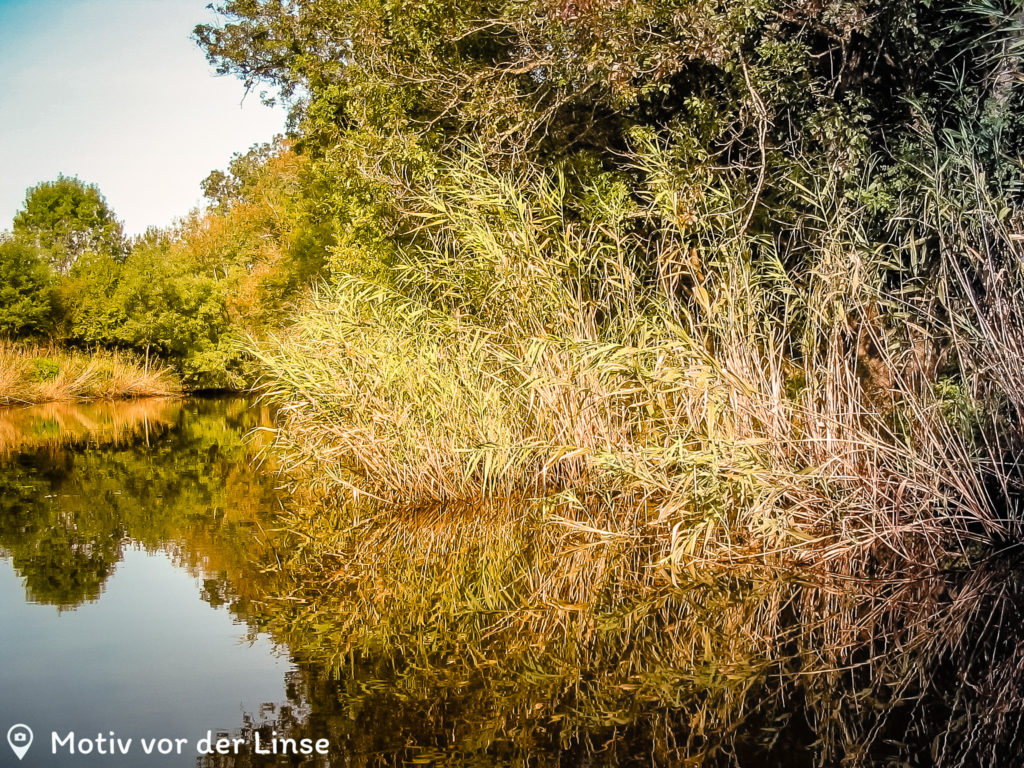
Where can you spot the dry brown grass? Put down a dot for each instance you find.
(31, 375)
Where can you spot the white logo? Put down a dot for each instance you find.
(20, 739)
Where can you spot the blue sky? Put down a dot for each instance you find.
(116, 93)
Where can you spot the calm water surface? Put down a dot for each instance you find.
(124, 532)
(145, 589)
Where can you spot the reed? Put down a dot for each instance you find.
(31, 375)
(741, 396)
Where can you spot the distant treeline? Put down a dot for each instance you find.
(186, 295)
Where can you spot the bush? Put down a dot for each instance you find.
(44, 368)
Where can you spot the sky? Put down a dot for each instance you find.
(116, 93)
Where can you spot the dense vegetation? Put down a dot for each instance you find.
(474, 637)
(746, 275)
(605, 340)
(187, 295)
(44, 374)
(750, 269)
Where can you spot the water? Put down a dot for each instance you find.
(123, 533)
(155, 584)
(149, 659)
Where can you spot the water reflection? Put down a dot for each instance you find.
(52, 426)
(165, 475)
(468, 639)
(142, 525)
(457, 637)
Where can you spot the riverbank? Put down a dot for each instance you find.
(37, 374)
(745, 413)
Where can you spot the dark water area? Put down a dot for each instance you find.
(149, 590)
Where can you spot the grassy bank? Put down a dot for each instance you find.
(48, 374)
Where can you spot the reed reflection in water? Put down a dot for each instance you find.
(506, 637)
(520, 634)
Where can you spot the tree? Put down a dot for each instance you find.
(225, 188)
(88, 294)
(67, 218)
(26, 291)
(177, 312)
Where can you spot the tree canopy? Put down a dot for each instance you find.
(761, 96)
(67, 218)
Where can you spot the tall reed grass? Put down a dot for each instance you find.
(659, 363)
(31, 375)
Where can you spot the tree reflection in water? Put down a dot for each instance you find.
(80, 483)
(493, 637)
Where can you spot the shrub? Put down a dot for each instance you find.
(44, 368)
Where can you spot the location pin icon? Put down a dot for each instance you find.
(20, 739)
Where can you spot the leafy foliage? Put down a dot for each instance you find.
(26, 291)
(67, 218)
(585, 245)
(187, 294)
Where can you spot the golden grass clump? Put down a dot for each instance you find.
(31, 375)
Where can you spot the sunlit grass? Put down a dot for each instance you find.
(48, 374)
(576, 474)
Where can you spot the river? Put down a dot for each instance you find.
(157, 590)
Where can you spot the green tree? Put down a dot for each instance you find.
(168, 308)
(26, 291)
(67, 218)
(768, 95)
(88, 295)
(226, 188)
